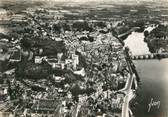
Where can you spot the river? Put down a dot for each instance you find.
(152, 94)
(135, 42)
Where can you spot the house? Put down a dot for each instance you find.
(68, 61)
(80, 72)
(69, 64)
(16, 56)
(58, 78)
(3, 93)
(75, 59)
(38, 59)
(55, 65)
(45, 105)
(59, 56)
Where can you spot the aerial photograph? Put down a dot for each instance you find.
(83, 58)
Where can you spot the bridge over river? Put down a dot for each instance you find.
(150, 56)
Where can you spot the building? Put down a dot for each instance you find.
(75, 59)
(16, 56)
(38, 59)
(45, 105)
(6, 114)
(3, 93)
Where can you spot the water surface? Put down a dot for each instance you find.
(153, 80)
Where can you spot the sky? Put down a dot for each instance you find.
(77, 2)
(92, 0)
(87, 1)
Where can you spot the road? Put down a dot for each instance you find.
(129, 93)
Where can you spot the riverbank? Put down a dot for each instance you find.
(127, 90)
(128, 58)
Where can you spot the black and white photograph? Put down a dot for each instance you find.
(83, 58)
